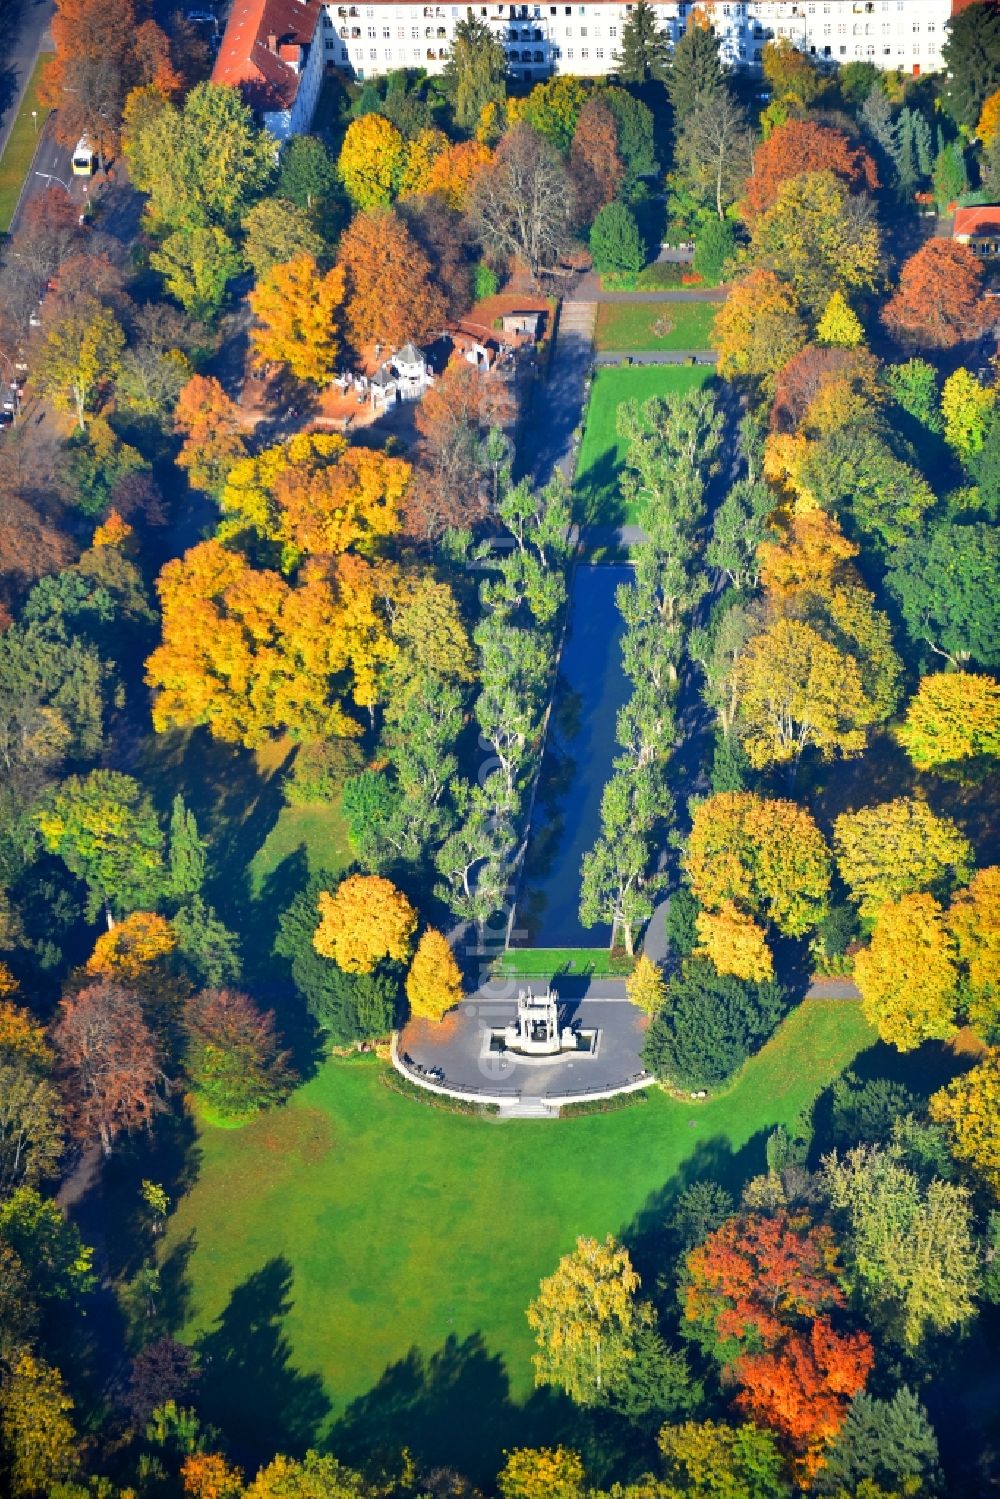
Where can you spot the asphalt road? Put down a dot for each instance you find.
(23, 24)
(52, 166)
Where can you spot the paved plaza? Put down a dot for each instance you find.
(457, 1053)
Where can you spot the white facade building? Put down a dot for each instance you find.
(376, 37)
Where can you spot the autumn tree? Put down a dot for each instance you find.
(706, 1457)
(758, 329)
(105, 830)
(791, 76)
(911, 1246)
(950, 718)
(41, 1444)
(541, 1473)
(454, 481)
(734, 943)
(131, 945)
(372, 160)
(80, 357)
(249, 655)
(595, 167)
(803, 1388)
(939, 301)
(521, 207)
(455, 172)
(585, 1320)
(766, 856)
(897, 848)
(969, 1109)
(390, 293)
(714, 150)
(974, 923)
(30, 1108)
(819, 238)
(213, 441)
(967, 407)
(233, 1056)
(364, 920)
(434, 982)
(907, 976)
(839, 327)
(297, 308)
(800, 146)
(108, 1062)
(645, 986)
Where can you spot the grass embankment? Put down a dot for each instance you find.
(550, 962)
(20, 148)
(671, 326)
(359, 1266)
(598, 500)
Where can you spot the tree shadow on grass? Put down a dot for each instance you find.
(248, 1384)
(268, 975)
(597, 498)
(453, 1408)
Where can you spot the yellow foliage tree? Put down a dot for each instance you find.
(38, 1432)
(22, 1036)
(585, 1319)
(372, 160)
(8, 983)
(989, 119)
(734, 943)
(364, 920)
(316, 1476)
(951, 717)
(645, 986)
(758, 328)
(434, 982)
(840, 327)
(113, 532)
(810, 557)
(966, 405)
(248, 655)
(974, 923)
(297, 309)
(764, 855)
(895, 849)
(132, 945)
(421, 154)
(542, 1473)
(796, 689)
(907, 977)
(351, 500)
(814, 240)
(969, 1109)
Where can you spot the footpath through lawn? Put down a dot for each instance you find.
(358, 1246)
(598, 500)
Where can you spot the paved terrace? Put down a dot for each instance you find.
(456, 1053)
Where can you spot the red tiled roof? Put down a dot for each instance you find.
(982, 219)
(268, 80)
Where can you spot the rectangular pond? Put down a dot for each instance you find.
(578, 762)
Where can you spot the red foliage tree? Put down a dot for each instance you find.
(939, 302)
(803, 146)
(107, 1061)
(753, 1274)
(802, 1389)
(234, 1055)
(449, 485)
(800, 382)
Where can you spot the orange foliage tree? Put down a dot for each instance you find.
(939, 302)
(213, 440)
(803, 146)
(297, 308)
(351, 500)
(454, 173)
(595, 167)
(449, 487)
(132, 944)
(390, 294)
(802, 1390)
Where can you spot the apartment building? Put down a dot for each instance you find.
(278, 48)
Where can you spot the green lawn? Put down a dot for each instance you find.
(358, 1264)
(317, 830)
(634, 326)
(20, 147)
(602, 452)
(546, 962)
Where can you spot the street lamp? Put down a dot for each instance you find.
(34, 119)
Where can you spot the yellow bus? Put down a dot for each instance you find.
(84, 160)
